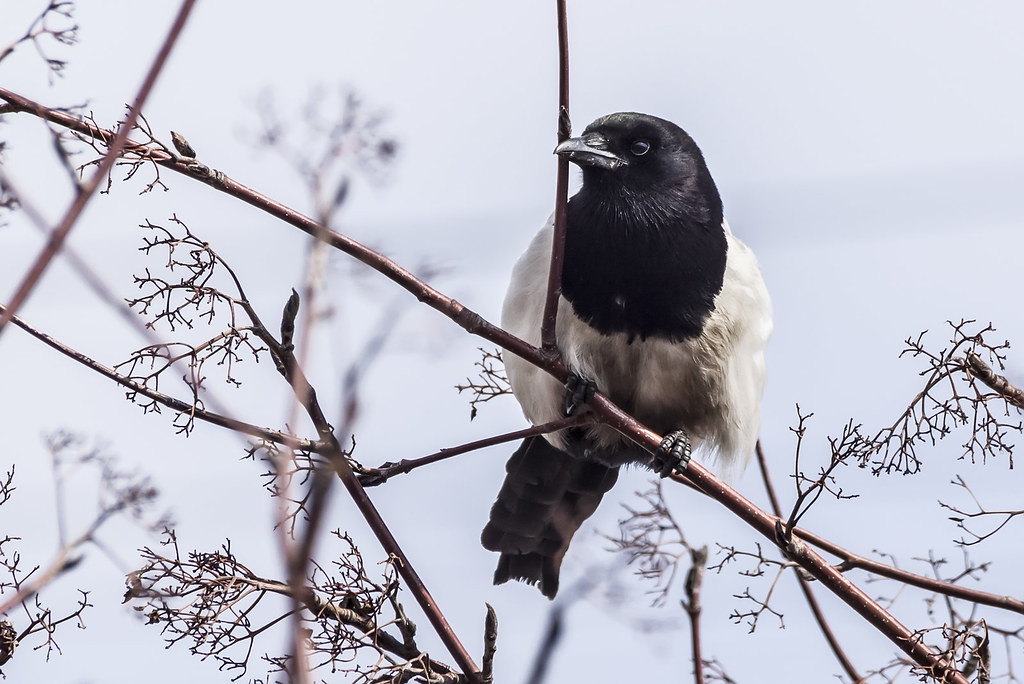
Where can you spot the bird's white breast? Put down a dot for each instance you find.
(710, 385)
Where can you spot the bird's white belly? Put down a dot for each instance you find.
(709, 386)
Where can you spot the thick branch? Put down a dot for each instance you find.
(853, 561)
(604, 409)
(984, 372)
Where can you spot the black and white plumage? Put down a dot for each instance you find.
(662, 308)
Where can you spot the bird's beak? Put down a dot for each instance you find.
(589, 150)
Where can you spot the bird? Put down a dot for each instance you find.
(662, 309)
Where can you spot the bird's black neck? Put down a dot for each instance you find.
(641, 267)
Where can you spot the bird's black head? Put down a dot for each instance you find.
(645, 243)
(647, 159)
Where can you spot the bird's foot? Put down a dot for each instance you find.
(673, 454)
(579, 390)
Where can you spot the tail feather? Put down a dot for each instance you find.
(546, 496)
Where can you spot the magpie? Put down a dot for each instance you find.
(662, 310)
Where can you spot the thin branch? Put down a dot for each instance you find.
(853, 561)
(490, 645)
(170, 402)
(87, 189)
(564, 126)
(371, 477)
(961, 516)
(692, 605)
(306, 395)
(602, 408)
(812, 601)
(467, 319)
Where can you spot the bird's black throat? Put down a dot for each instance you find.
(643, 267)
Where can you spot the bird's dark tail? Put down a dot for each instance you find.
(546, 496)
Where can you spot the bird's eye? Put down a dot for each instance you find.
(639, 147)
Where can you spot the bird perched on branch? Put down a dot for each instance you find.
(662, 310)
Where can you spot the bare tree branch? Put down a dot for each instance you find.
(57, 237)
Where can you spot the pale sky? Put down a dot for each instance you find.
(872, 155)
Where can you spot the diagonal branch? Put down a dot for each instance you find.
(306, 395)
(87, 189)
(854, 561)
(170, 402)
(812, 601)
(602, 408)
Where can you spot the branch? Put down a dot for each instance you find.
(853, 561)
(213, 599)
(602, 408)
(87, 189)
(692, 605)
(306, 395)
(812, 601)
(371, 477)
(554, 291)
(184, 407)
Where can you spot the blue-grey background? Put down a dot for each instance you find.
(871, 154)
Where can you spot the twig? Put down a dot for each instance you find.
(812, 601)
(692, 605)
(87, 189)
(306, 395)
(960, 516)
(490, 645)
(552, 636)
(984, 372)
(602, 408)
(853, 561)
(170, 402)
(547, 330)
(371, 477)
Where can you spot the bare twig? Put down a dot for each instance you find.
(57, 237)
(492, 381)
(371, 477)
(215, 601)
(135, 388)
(490, 645)
(812, 601)
(564, 128)
(853, 561)
(692, 605)
(954, 396)
(960, 516)
(603, 409)
(306, 395)
(41, 28)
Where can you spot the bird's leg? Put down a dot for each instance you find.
(579, 390)
(673, 454)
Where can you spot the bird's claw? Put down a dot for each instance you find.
(673, 454)
(579, 390)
